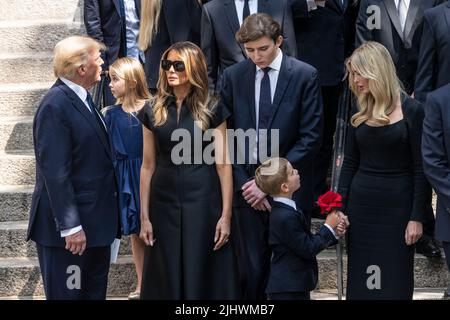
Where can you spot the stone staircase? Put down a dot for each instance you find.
(29, 30)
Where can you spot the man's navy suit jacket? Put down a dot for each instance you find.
(75, 181)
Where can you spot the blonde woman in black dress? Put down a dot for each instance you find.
(382, 181)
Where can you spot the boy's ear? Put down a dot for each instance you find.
(284, 187)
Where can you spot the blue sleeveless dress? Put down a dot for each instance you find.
(126, 136)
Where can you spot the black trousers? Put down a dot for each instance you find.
(330, 97)
(73, 277)
(446, 246)
(253, 251)
(289, 296)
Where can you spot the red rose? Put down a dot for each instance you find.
(329, 201)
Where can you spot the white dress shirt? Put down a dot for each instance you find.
(252, 5)
(132, 30)
(291, 203)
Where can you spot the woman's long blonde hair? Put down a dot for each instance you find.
(198, 100)
(150, 12)
(132, 72)
(373, 62)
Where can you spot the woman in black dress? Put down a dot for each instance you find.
(186, 197)
(381, 181)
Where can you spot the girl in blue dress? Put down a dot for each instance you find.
(129, 87)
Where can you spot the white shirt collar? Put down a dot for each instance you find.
(286, 201)
(276, 63)
(79, 90)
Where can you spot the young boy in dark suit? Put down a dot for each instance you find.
(293, 267)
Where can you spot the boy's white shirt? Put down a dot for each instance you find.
(291, 203)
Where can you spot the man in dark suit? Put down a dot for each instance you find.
(400, 31)
(434, 64)
(436, 161)
(74, 216)
(116, 24)
(325, 38)
(221, 19)
(275, 94)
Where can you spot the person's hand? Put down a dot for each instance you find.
(413, 232)
(342, 225)
(252, 194)
(76, 243)
(263, 205)
(222, 232)
(146, 233)
(332, 219)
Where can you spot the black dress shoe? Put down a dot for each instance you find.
(447, 294)
(428, 247)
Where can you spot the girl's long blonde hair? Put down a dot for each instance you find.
(198, 99)
(373, 62)
(132, 72)
(149, 22)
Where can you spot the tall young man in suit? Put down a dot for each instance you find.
(400, 31)
(74, 216)
(274, 93)
(436, 161)
(325, 37)
(221, 19)
(116, 24)
(434, 64)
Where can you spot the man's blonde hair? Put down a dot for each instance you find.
(271, 174)
(71, 53)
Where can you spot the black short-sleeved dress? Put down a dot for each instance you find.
(185, 206)
(383, 187)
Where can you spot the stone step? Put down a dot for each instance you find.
(27, 36)
(428, 273)
(21, 277)
(26, 67)
(13, 235)
(17, 167)
(42, 9)
(21, 99)
(16, 133)
(15, 202)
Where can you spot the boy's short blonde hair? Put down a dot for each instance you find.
(71, 53)
(271, 174)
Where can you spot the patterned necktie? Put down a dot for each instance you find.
(265, 100)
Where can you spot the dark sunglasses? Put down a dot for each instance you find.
(178, 66)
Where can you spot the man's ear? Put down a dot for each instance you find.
(81, 70)
(279, 41)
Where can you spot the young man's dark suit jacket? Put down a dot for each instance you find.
(219, 26)
(104, 22)
(179, 20)
(75, 181)
(293, 266)
(436, 155)
(297, 113)
(325, 37)
(433, 70)
(404, 49)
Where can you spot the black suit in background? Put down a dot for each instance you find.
(325, 38)
(75, 185)
(436, 162)
(404, 46)
(219, 26)
(179, 20)
(297, 114)
(293, 267)
(104, 22)
(434, 63)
